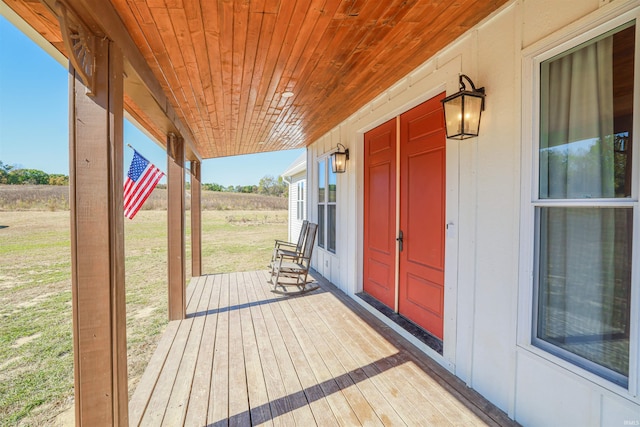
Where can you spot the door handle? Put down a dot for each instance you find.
(400, 239)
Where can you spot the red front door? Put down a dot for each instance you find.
(422, 215)
(380, 213)
(421, 212)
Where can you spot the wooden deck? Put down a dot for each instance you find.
(246, 356)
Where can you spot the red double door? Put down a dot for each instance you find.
(417, 159)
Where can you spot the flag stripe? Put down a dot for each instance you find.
(139, 187)
(143, 190)
(142, 179)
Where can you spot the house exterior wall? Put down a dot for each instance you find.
(486, 286)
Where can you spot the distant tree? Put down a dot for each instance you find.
(271, 186)
(213, 187)
(231, 189)
(5, 167)
(4, 172)
(58, 179)
(27, 176)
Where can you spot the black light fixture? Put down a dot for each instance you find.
(339, 159)
(462, 111)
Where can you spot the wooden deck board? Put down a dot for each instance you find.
(199, 401)
(180, 394)
(291, 329)
(246, 356)
(377, 362)
(357, 364)
(258, 396)
(279, 402)
(290, 361)
(219, 394)
(325, 385)
(238, 393)
(359, 404)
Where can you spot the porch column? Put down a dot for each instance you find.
(196, 219)
(176, 230)
(97, 238)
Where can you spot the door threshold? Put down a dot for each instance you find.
(416, 331)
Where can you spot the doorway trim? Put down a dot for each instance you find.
(444, 79)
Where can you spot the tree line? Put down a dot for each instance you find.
(12, 175)
(268, 186)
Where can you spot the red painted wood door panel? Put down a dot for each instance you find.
(380, 213)
(422, 215)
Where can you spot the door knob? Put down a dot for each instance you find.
(400, 239)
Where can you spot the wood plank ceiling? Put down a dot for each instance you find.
(224, 65)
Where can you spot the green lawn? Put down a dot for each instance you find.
(36, 354)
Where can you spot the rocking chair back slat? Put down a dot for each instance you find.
(309, 241)
(302, 236)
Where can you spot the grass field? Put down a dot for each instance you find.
(36, 354)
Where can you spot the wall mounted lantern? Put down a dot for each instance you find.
(462, 111)
(339, 159)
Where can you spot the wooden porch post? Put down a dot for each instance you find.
(176, 227)
(97, 239)
(196, 219)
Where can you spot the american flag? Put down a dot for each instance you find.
(141, 180)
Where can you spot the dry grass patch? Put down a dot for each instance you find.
(56, 198)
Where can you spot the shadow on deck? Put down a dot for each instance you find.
(245, 356)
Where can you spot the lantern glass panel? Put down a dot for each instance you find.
(471, 119)
(453, 114)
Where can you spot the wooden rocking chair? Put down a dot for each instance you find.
(292, 270)
(288, 248)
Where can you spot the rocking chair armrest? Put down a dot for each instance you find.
(298, 259)
(287, 253)
(284, 243)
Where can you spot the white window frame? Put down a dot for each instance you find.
(301, 211)
(326, 203)
(574, 35)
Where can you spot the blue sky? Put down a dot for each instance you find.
(34, 129)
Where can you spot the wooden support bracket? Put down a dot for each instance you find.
(80, 44)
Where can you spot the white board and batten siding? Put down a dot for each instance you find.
(295, 175)
(487, 322)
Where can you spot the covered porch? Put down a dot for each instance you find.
(246, 356)
(214, 79)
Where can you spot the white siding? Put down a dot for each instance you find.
(484, 180)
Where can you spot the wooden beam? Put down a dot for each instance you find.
(176, 229)
(97, 241)
(196, 219)
(141, 84)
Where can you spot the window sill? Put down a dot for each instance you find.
(567, 368)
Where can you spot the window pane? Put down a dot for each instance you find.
(321, 226)
(586, 119)
(331, 228)
(321, 181)
(584, 283)
(332, 182)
